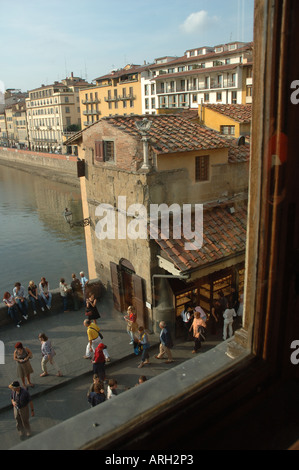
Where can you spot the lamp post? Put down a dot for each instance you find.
(68, 215)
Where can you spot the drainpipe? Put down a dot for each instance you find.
(201, 110)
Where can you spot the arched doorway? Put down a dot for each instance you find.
(128, 289)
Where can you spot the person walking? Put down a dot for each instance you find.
(131, 319)
(48, 354)
(45, 293)
(94, 337)
(186, 317)
(34, 297)
(13, 311)
(22, 356)
(111, 389)
(165, 343)
(21, 400)
(97, 396)
(98, 362)
(144, 344)
(196, 327)
(214, 317)
(228, 316)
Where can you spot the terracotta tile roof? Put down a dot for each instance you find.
(204, 71)
(238, 153)
(238, 112)
(208, 55)
(124, 71)
(171, 133)
(224, 236)
(188, 113)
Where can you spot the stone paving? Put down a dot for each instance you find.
(69, 339)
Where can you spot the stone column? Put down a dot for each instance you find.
(164, 307)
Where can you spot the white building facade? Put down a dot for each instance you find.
(222, 74)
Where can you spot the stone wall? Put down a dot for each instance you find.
(62, 167)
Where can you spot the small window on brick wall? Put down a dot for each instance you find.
(104, 151)
(202, 168)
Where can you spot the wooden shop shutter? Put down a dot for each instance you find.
(138, 300)
(80, 168)
(116, 286)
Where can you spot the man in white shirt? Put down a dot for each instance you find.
(228, 315)
(84, 282)
(186, 317)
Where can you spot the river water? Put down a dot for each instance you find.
(35, 240)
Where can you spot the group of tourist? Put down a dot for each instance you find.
(139, 338)
(41, 297)
(225, 311)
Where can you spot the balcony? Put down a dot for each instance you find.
(112, 98)
(231, 83)
(249, 81)
(216, 85)
(192, 88)
(91, 112)
(47, 141)
(91, 101)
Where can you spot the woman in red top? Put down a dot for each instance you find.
(99, 362)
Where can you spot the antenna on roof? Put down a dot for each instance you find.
(65, 67)
(85, 69)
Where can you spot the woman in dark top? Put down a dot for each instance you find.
(91, 310)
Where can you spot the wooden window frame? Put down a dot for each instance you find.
(103, 151)
(229, 130)
(202, 168)
(270, 321)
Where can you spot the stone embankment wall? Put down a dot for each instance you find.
(62, 168)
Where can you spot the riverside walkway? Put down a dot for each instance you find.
(68, 335)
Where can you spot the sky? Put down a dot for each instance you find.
(42, 42)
